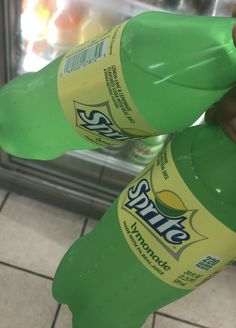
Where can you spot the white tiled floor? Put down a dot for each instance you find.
(25, 300)
(41, 234)
(33, 238)
(211, 305)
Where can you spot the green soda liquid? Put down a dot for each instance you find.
(102, 280)
(174, 67)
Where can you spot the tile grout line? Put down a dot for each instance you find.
(154, 320)
(84, 227)
(4, 201)
(25, 270)
(56, 316)
(181, 320)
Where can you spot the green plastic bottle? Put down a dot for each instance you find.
(169, 231)
(154, 74)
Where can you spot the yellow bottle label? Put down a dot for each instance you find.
(94, 95)
(169, 230)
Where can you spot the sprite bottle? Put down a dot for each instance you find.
(169, 231)
(154, 74)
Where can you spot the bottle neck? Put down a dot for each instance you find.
(206, 159)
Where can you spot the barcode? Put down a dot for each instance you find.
(85, 57)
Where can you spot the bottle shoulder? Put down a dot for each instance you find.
(206, 160)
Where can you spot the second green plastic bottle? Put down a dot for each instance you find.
(172, 228)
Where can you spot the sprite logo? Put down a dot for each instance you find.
(93, 119)
(166, 221)
(156, 212)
